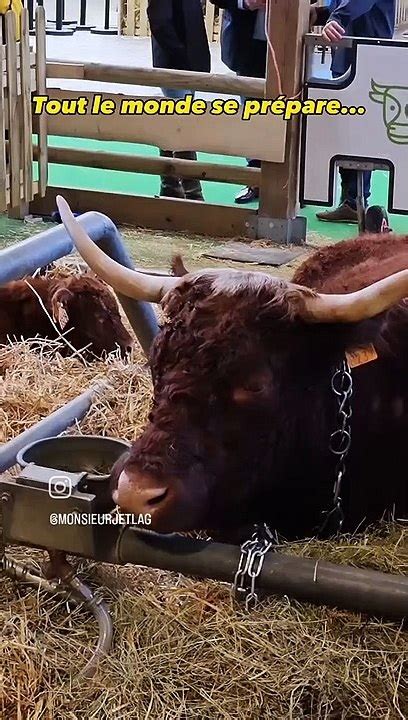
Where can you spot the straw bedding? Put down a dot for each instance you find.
(182, 649)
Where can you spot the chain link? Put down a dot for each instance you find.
(340, 441)
(4, 562)
(250, 565)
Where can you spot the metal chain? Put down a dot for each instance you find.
(3, 557)
(250, 565)
(340, 440)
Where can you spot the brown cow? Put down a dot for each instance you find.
(244, 408)
(82, 307)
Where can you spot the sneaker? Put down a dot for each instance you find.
(342, 214)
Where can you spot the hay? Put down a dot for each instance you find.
(182, 649)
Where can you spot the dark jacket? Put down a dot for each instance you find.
(359, 18)
(179, 38)
(239, 51)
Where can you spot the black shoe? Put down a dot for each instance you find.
(172, 188)
(192, 189)
(247, 195)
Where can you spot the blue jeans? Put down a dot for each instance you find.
(349, 186)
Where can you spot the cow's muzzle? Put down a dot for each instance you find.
(140, 496)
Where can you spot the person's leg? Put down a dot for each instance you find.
(189, 188)
(347, 210)
(248, 194)
(170, 185)
(349, 186)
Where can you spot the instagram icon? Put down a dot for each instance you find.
(60, 486)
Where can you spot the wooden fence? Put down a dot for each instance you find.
(22, 72)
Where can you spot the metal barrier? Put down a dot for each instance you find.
(60, 25)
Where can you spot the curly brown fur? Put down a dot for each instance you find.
(91, 310)
(353, 264)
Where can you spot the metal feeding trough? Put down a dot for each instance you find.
(60, 475)
(90, 454)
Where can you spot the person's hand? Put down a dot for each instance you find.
(333, 32)
(255, 4)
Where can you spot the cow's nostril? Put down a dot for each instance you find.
(154, 501)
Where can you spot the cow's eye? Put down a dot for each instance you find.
(254, 387)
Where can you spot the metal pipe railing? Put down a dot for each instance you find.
(52, 425)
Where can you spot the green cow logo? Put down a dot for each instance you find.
(394, 100)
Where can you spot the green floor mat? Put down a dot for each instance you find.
(215, 192)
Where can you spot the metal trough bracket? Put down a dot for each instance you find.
(281, 232)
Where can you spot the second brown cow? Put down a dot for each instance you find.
(81, 307)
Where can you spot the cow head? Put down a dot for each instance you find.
(86, 307)
(394, 100)
(238, 371)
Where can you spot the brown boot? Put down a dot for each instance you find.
(192, 187)
(342, 214)
(170, 185)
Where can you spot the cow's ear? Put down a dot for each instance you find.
(59, 307)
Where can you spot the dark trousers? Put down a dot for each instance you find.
(349, 186)
(250, 161)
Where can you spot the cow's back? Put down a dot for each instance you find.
(353, 264)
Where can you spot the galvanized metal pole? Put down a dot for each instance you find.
(316, 581)
(52, 425)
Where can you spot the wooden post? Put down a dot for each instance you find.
(13, 110)
(143, 19)
(288, 23)
(41, 90)
(3, 160)
(130, 25)
(27, 122)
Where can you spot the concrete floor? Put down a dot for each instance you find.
(113, 50)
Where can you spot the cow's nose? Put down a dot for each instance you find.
(139, 498)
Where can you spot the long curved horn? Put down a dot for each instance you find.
(122, 279)
(360, 305)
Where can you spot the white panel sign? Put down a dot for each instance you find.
(379, 82)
